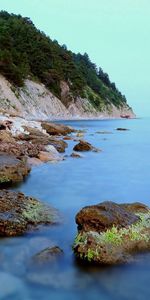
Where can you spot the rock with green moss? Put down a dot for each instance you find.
(19, 213)
(110, 233)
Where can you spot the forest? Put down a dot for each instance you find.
(26, 52)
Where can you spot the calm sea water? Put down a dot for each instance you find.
(121, 173)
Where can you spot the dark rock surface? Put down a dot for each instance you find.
(83, 146)
(19, 213)
(102, 216)
(122, 129)
(110, 233)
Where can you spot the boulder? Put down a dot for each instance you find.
(60, 145)
(51, 155)
(34, 135)
(84, 146)
(103, 216)
(56, 129)
(110, 233)
(21, 149)
(12, 169)
(75, 155)
(19, 213)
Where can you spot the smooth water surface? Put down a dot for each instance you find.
(121, 173)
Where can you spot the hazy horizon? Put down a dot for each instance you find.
(115, 35)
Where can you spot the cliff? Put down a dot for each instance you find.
(35, 101)
(42, 79)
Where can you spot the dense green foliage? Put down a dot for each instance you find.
(27, 52)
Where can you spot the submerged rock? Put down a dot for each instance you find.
(67, 138)
(104, 132)
(12, 169)
(19, 213)
(84, 146)
(48, 255)
(121, 129)
(109, 233)
(56, 129)
(75, 155)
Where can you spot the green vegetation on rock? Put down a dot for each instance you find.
(26, 52)
(114, 244)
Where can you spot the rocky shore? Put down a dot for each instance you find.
(24, 144)
(108, 233)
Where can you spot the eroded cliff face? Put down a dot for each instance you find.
(34, 100)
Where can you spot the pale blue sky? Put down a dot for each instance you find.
(115, 34)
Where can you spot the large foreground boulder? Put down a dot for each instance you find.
(19, 213)
(56, 129)
(109, 233)
(12, 169)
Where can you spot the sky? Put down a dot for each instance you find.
(115, 34)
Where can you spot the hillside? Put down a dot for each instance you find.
(40, 78)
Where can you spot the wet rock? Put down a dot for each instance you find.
(49, 156)
(60, 145)
(56, 129)
(80, 134)
(102, 216)
(110, 233)
(12, 169)
(48, 255)
(67, 138)
(121, 129)
(75, 155)
(19, 213)
(83, 146)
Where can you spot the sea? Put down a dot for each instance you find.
(120, 173)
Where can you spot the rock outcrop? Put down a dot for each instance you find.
(56, 129)
(110, 233)
(19, 213)
(34, 100)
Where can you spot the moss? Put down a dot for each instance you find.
(4, 179)
(36, 212)
(105, 246)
